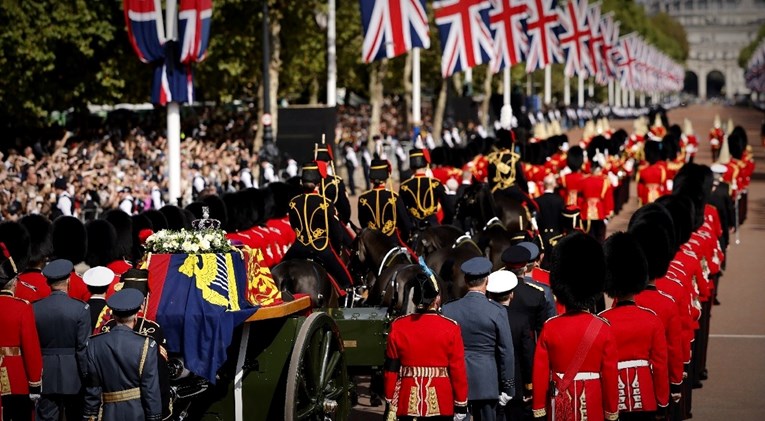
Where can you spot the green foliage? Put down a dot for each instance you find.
(746, 53)
(660, 30)
(60, 54)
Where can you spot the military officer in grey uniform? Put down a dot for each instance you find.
(488, 345)
(63, 326)
(123, 383)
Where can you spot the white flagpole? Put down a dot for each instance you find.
(617, 95)
(566, 90)
(416, 107)
(331, 55)
(611, 93)
(529, 89)
(580, 93)
(548, 85)
(506, 114)
(591, 87)
(642, 98)
(625, 97)
(469, 80)
(173, 118)
(632, 98)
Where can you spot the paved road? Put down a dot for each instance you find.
(736, 360)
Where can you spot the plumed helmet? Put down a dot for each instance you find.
(70, 239)
(40, 235)
(379, 170)
(17, 241)
(101, 239)
(626, 265)
(577, 274)
(311, 173)
(123, 225)
(418, 158)
(424, 291)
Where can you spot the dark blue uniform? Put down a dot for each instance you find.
(123, 378)
(489, 351)
(63, 325)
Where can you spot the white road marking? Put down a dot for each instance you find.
(720, 335)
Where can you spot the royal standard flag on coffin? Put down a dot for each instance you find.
(202, 298)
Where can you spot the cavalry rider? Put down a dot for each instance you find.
(319, 233)
(380, 208)
(332, 186)
(505, 168)
(421, 193)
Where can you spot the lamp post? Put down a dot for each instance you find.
(268, 135)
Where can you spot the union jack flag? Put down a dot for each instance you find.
(173, 80)
(596, 65)
(542, 27)
(145, 28)
(575, 36)
(463, 26)
(507, 18)
(194, 26)
(627, 61)
(610, 30)
(393, 27)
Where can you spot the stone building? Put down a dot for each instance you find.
(717, 31)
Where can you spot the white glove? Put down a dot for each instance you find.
(459, 417)
(34, 397)
(504, 398)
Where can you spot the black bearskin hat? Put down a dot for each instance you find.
(682, 210)
(504, 139)
(575, 158)
(217, 208)
(578, 270)
(70, 239)
(176, 218)
(282, 194)
(123, 225)
(40, 231)
(140, 223)
(236, 210)
(101, 240)
(654, 230)
(626, 265)
(17, 241)
(695, 182)
(737, 142)
(252, 201)
(196, 209)
(652, 151)
(157, 218)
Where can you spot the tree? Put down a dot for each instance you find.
(746, 53)
(59, 55)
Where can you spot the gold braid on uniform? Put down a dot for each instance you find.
(311, 235)
(505, 174)
(424, 208)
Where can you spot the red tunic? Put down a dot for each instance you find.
(652, 183)
(598, 197)
(716, 136)
(32, 286)
(77, 288)
(677, 291)
(21, 366)
(571, 186)
(665, 308)
(595, 390)
(432, 377)
(642, 348)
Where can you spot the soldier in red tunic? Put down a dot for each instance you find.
(652, 179)
(20, 355)
(571, 183)
(639, 332)
(598, 202)
(35, 287)
(575, 364)
(425, 374)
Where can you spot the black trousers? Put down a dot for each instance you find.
(56, 407)
(18, 408)
(636, 416)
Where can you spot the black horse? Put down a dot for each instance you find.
(306, 277)
(446, 263)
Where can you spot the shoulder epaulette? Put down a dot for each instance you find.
(449, 319)
(535, 286)
(16, 298)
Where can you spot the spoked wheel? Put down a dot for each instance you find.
(317, 380)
